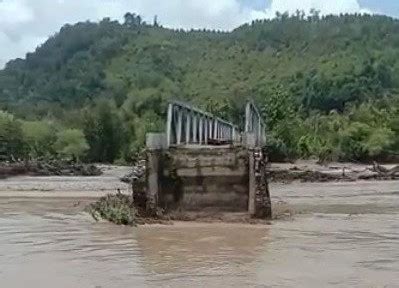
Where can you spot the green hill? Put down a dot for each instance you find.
(328, 87)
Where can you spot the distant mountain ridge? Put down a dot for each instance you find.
(88, 60)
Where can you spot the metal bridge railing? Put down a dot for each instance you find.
(255, 124)
(187, 125)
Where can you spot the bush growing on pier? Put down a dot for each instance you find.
(117, 208)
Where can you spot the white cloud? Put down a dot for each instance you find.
(25, 23)
(325, 7)
(14, 12)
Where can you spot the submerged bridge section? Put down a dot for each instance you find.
(204, 163)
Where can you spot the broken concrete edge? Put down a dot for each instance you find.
(252, 183)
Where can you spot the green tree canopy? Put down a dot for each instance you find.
(328, 87)
(71, 143)
(39, 137)
(11, 141)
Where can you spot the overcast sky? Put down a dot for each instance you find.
(24, 24)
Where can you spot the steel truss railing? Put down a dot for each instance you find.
(187, 125)
(254, 124)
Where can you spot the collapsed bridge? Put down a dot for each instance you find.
(205, 163)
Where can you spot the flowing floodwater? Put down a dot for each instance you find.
(341, 235)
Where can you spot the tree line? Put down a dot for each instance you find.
(328, 87)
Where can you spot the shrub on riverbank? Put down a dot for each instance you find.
(117, 208)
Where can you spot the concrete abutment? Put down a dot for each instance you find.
(223, 178)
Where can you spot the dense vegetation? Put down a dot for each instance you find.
(327, 87)
(116, 208)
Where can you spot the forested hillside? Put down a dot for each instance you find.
(327, 87)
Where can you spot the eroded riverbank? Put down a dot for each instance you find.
(60, 187)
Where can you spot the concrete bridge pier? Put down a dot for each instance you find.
(225, 178)
(259, 202)
(156, 144)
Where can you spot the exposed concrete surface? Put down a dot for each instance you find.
(211, 179)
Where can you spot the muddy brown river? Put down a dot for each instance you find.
(340, 235)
